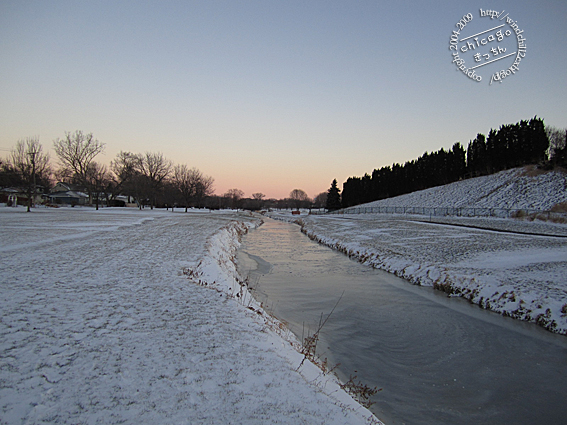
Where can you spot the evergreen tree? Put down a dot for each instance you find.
(351, 192)
(538, 139)
(333, 197)
(457, 163)
(512, 145)
(477, 156)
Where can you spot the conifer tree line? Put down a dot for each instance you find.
(512, 145)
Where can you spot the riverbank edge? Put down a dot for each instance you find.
(472, 289)
(217, 270)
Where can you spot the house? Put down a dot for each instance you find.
(13, 196)
(65, 193)
(9, 196)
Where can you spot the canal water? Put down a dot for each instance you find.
(438, 360)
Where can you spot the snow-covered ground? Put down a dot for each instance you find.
(515, 267)
(127, 316)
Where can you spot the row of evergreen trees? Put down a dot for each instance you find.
(511, 146)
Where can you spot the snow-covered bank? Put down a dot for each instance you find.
(518, 188)
(100, 324)
(517, 275)
(514, 267)
(218, 270)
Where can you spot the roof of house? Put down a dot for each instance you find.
(68, 194)
(66, 187)
(11, 190)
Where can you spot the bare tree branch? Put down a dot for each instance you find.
(29, 161)
(155, 168)
(76, 152)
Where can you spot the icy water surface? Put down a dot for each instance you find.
(438, 360)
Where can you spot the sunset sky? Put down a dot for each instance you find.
(269, 96)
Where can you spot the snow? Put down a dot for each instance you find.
(514, 267)
(127, 316)
(518, 188)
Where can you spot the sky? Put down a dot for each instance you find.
(270, 96)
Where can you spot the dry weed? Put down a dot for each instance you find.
(559, 208)
(361, 392)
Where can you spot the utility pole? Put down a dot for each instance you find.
(33, 190)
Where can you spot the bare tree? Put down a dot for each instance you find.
(234, 196)
(140, 189)
(99, 180)
(30, 163)
(320, 200)
(8, 175)
(155, 168)
(76, 153)
(191, 184)
(557, 141)
(204, 189)
(169, 195)
(125, 171)
(299, 198)
(258, 197)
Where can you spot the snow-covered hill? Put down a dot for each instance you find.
(518, 188)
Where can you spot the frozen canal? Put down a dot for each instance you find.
(437, 359)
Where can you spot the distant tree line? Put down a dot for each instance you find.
(150, 179)
(145, 179)
(513, 145)
(297, 199)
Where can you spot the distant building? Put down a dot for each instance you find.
(65, 193)
(13, 196)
